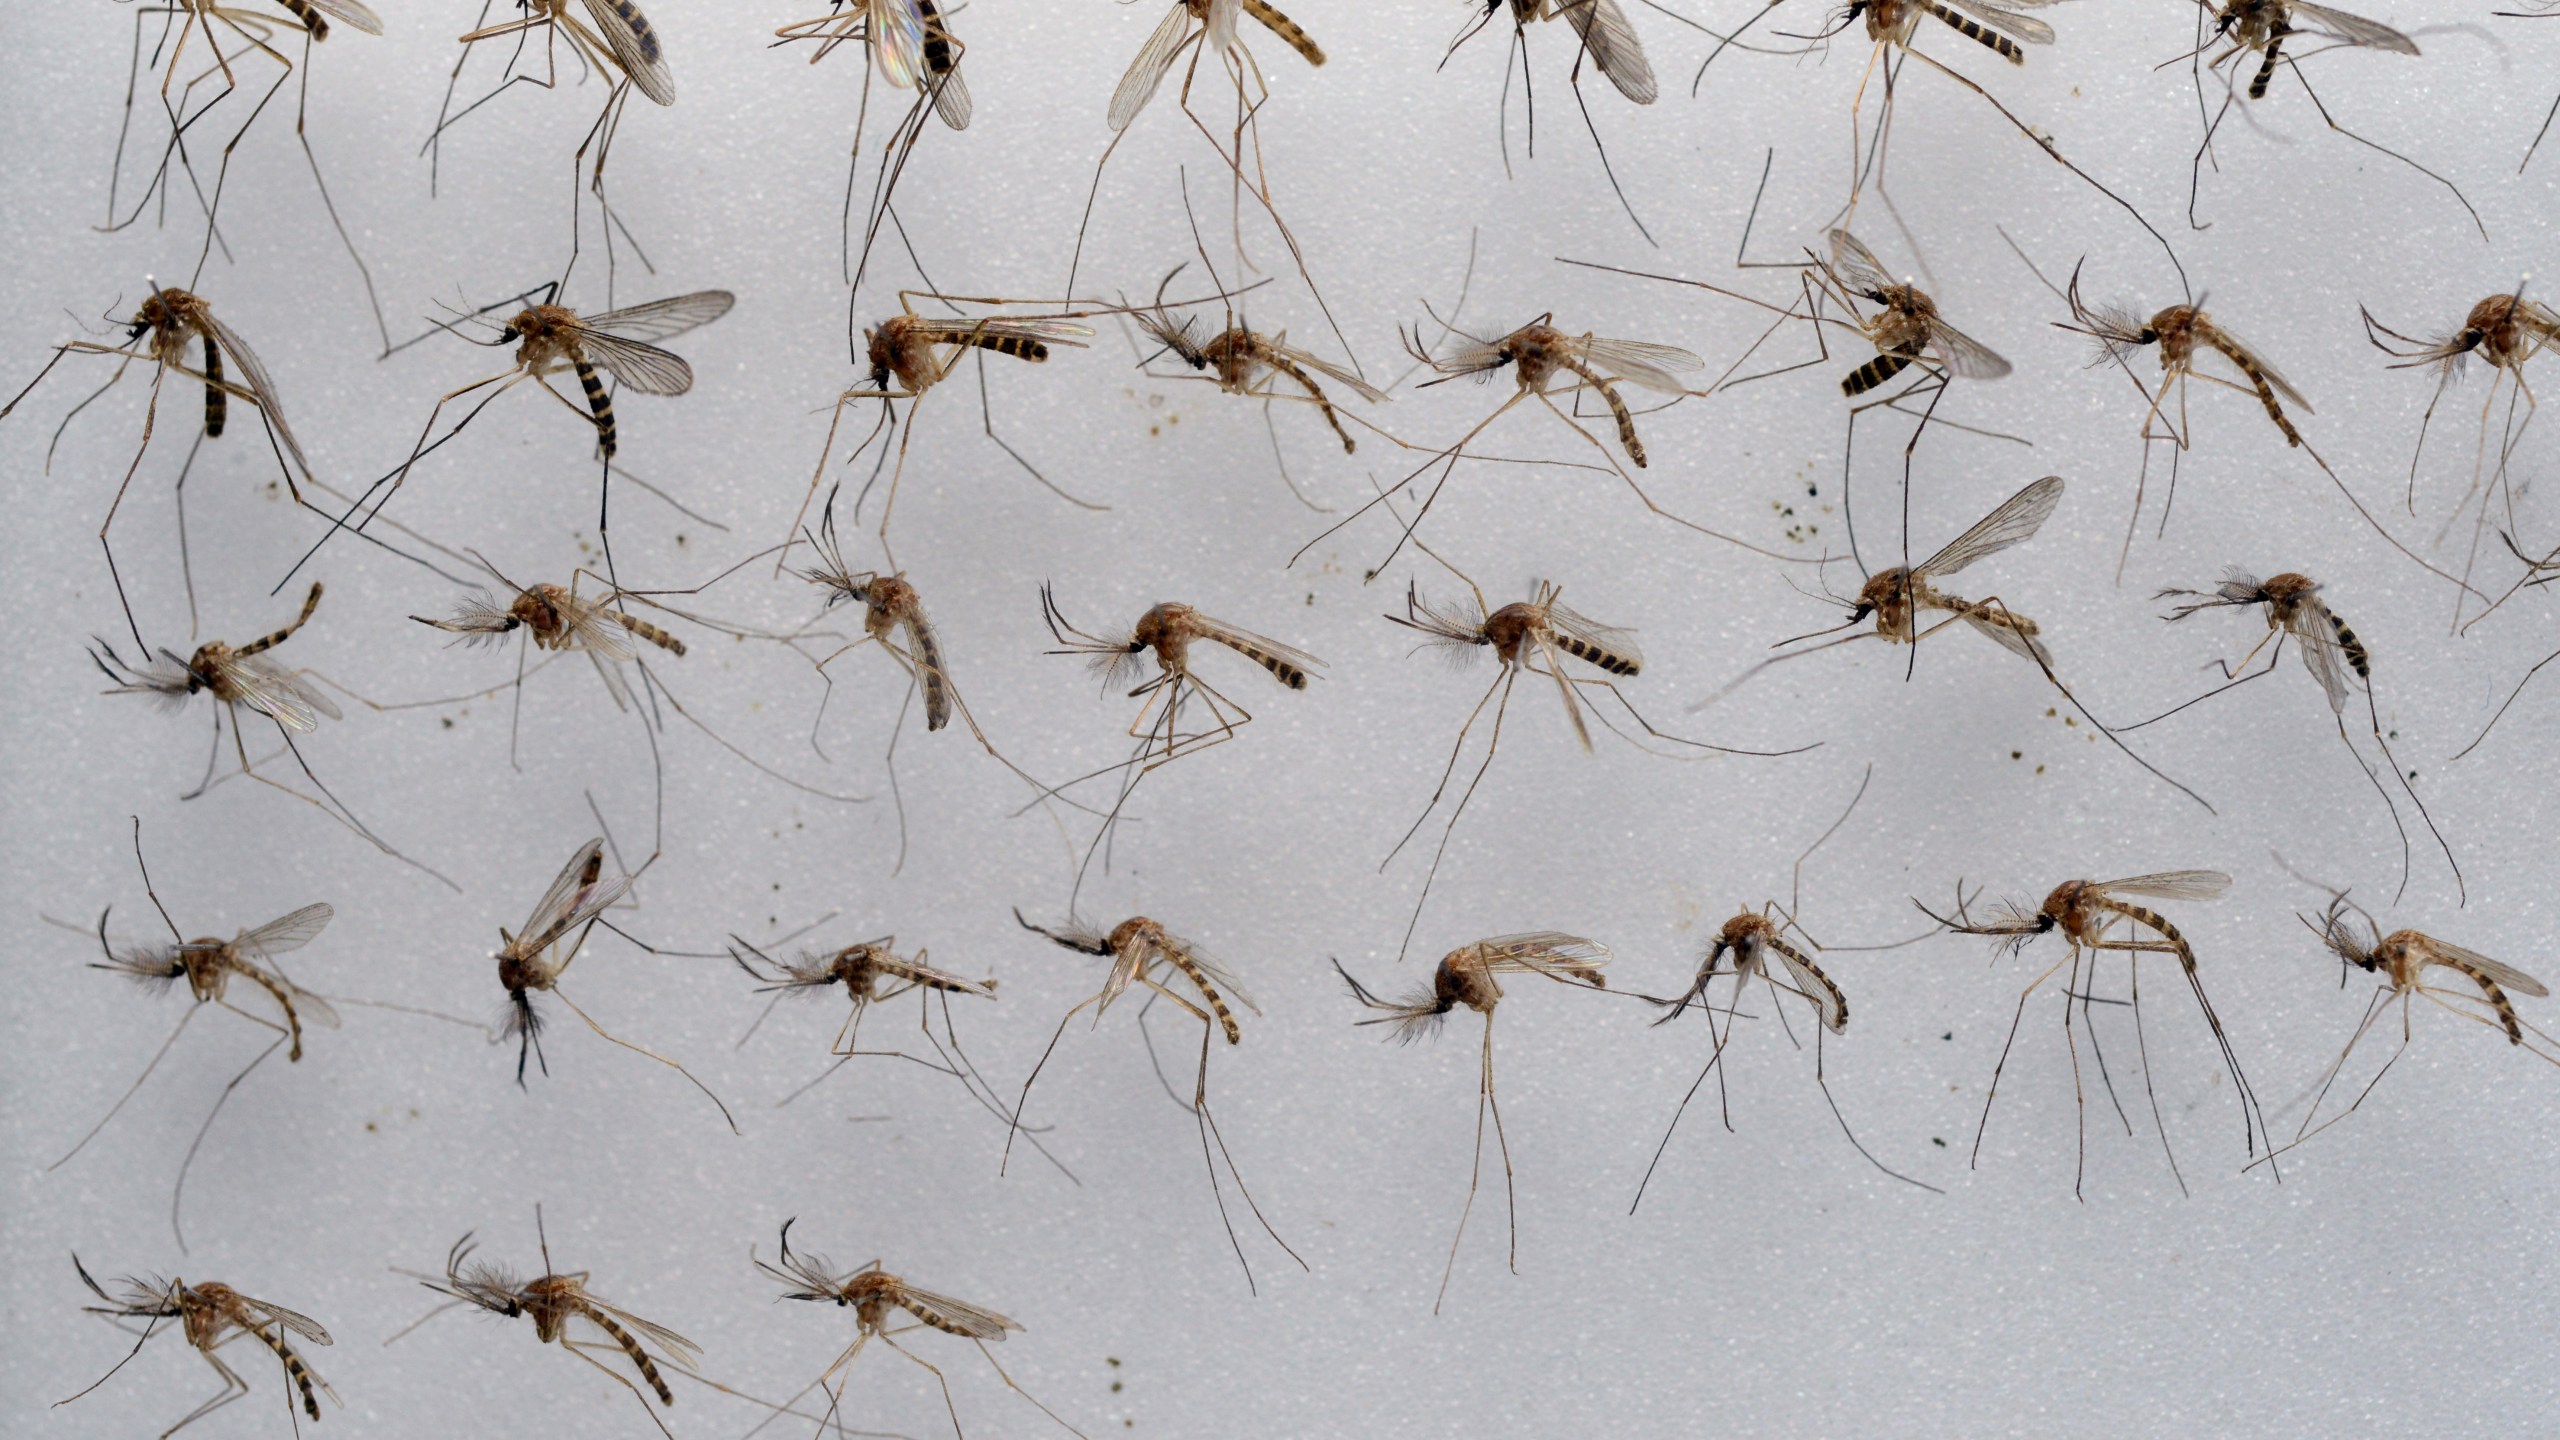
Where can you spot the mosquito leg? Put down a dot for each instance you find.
(579, 1348)
(156, 1057)
(1475, 1172)
(1503, 683)
(1014, 1124)
(1860, 1145)
(1714, 1058)
(652, 1054)
(1974, 1161)
(952, 1409)
(178, 1192)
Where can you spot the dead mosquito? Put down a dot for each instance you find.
(1242, 361)
(2100, 917)
(2333, 653)
(1753, 939)
(1602, 35)
(209, 964)
(533, 959)
(1145, 954)
(211, 1315)
(874, 1296)
(1470, 976)
(2264, 28)
(2401, 961)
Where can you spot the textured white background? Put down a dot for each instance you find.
(2399, 1280)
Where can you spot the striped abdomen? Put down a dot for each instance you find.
(1999, 44)
(2359, 659)
(1282, 669)
(1875, 372)
(1617, 411)
(1020, 347)
(1287, 29)
(2267, 67)
(935, 681)
(284, 1002)
(2159, 922)
(273, 639)
(2248, 365)
(1833, 1001)
(293, 1365)
(640, 1360)
(1581, 649)
(1290, 368)
(597, 401)
(2498, 1001)
(217, 402)
(1209, 992)
(319, 27)
(648, 632)
(938, 58)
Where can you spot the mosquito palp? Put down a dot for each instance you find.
(1470, 976)
(211, 1315)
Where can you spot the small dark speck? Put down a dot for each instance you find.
(2017, 754)
(1115, 1387)
(1311, 597)
(777, 885)
(1934, 1140)
(1950, 1035)
(372, 1129)
(448, 722)
(1111, 1360)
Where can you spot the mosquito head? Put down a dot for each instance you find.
(882, 351)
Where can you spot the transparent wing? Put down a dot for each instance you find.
(555, 901)
(597, 631)
(1146, 72)
(1219, 36)
(1564, 689)
(644, 368)
(1817, 986)
(287, 934)
(1225, 979)
(951, 99)
(2282, 386)
(1547, 952)
(302, 1325)
(253, 374)
(313, 1009)
(960, 1315)
(1240, 639)
(896, 31)
(927, 975)
(371, 24)
(1330, 371)
(2171, 885)
(671, 1346)
(2009, 637)
(2317, 630)
(1621, 643)
(1999, 17)
(1613, 46)
(2354, 29)
(1965, 355)
(634, 42)
(1124, 969)
(277, 694)
(1856, 264)
(609, 669)
(662, 319)
(1056, 332)
(2018, 517)
(2505, 974)
(1638, 363)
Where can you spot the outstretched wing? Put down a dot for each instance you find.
(1857, 265)
(634, 42)
(1551, 953)
(896, 31)
(1613, 46)
(1965, 355)
(286, 934)
(2353, 29)
(1637, 362)
(663, 319)
(253, 374)
(1219, 975)
(2018, 517)
(2506, 975)
(302, 1325)
(278, 694)
(1145, 73)
(946, 1313)
(2317, 629)
(1999, 17)
(2171, 885)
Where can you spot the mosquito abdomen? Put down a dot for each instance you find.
(937, 41)
(1999, 44)
(1875, 372)
(597, 401)
(217, 404)
(2274, 57)
(293, 1365)
(929, 673)
(2159, 922)
(314, 22)
(1282, 670)
(1290, 368)
(1617, 411)
(1287, 29)
(2358, 658)
(2248, 365)
(1020, 347)
(1611, 661)
(639, 1358)
(650, 633)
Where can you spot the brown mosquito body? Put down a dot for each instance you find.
(2099, 918)
(557, 618)
(2263, 27)
(558, 1304)
(1146, 955)
(2506, 331)
(1991, 24)
(1893, 27)
(877, 1299)
(1905, 325)
(2182, 333)
(211, 1315)
(1470, 977)
(1209, 27)
(1242, 361)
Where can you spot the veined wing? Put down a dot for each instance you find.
(1995, 626)
(2171, 885)
(662, 319)
(1857, 265)
(1125, 965)
(2506, 975)
(1246, 643)
(597, 631)
(2000, 16)
(970, 1320)
(671, 1346)
(2282, 386)
(1965, 355)
(634, 42)
(365, 20)
(1817, 987)
(1145, 73)
(940, 979)
(1219, 34)
(1564, 688)
(2353, 29)
(1330, 371)
(1638, 363)
(580, 872)
(1613, 45)
(1219, 975)
(896, 31)
(1608, 638)
(302, 1325)
(644, 368)
(2317, 630)
(261, 385)
(951, 97)
(1547, 952)
(2018, 517)
(277, 694)
(1055, 332)
(286, 934)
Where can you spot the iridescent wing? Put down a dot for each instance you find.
(2506, 975)
(1999, 17)
(287, 934)
(277, 694)
(1551, 953)
(2353, 29)
(253, 375)
(1965, 355)
(634, 42)
(950, 1314)
(1654, 367)
(1613, 45)
(2018, 517)
(2171, 885)
(896, 31)
(1145, 73)
(2317, 630)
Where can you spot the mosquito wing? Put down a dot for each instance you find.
(663, 319)
(302, 1325)
(939, 979)
(2237, 347)
(2171, 885)
(951, 97)
(618, 339)
(2018, 517)
(1225, 979)
(1055, 332)
(277, 694)
(1613, 45)
(2001, 16)
(896, 31)
(285, 935)
(1255, 647)
(634, 42)
(1655, 367)
(2317, 629)
(1330, 371)
(1817, 987)
(597, 631)
(1219, 33)
(1620, 644)
(365, 20)
(1564, 688)
(1547, 952)
(1857, 265)
(2353, 29)
(2506, 975)
(1965, 355)
(581, 871)
(671, 1346)
(260, 385)
(949, 1314)
(2005, 630)
(1146, 72)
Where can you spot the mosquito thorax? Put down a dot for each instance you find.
(2284, 594)
(519, 973)
(2173, 330)
(858, 967)
(886, 598)
(1539, 350)
(2069, 910)
(1165, 629)
(204, 669)
(2491, 328)
(537, 608)
(1462, 979)
(1129, 931)
(1508, 628)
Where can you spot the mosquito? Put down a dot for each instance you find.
(1527, 637)
(553, 338)
(1168, 629)
(2264, 27)
(2504, 330)
(874, 1295)
(211, 1315)
(2401, 961)
(909, 354)
(2332, 652)
(1754, 939)
(870, 972)
(554, 1301)
(2099, 917)
(1145, 954)
(167, 322)
(1242, 361)
(1540, 354)
(1893, 25)
(209, 964)
(1603, 35)
(533, 959)
(1470, 976)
